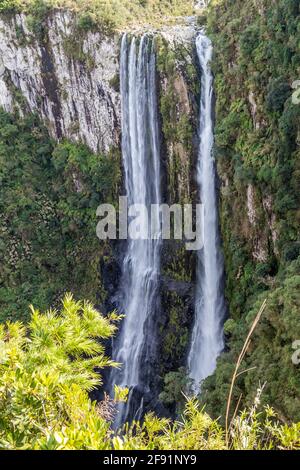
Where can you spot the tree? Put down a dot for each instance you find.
(46, 372)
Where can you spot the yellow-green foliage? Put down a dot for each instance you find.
(47, 369)
(114, 14)
(256, 61)
(195, 430)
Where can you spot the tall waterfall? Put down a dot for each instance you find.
(207, 336)
(135, 347)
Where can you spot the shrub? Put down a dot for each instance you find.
(47, 368)
(277, 93)
(86, 22)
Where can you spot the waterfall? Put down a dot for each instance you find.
(138, 297)
(207, 337)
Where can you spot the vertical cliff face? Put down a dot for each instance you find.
(68, 77)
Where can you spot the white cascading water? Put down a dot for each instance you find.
(141, 265)
(207, 337)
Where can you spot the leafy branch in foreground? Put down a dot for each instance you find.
(47, 369)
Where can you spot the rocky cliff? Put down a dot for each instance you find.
(69, 78)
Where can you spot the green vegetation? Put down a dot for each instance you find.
(111, 15)
(269, 358)
(74, 50)
(256, 61)
(175, 333)
(47, 370)
(48, 198)
(179, 75)
(177, 387)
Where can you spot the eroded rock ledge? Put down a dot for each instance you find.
(69, 77)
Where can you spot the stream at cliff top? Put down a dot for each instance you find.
(138, 297)
(207, 337)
